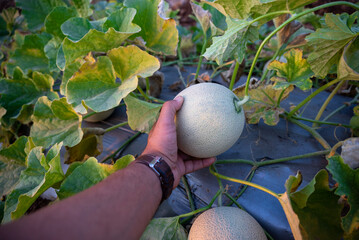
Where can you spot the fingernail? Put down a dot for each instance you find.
(178, 99)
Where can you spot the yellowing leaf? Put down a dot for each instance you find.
(295, 71)
(159, 35)
(55, 122)
(263, 103)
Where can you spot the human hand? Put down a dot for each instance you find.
(162, 141)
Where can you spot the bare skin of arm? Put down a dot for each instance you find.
(121, 206)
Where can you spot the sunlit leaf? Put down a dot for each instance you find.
(117, 28)
(263, 103)
(238, 9)
(348, 185)
(295, 71)
(56, 18)
(131, 61)
(90, 146)
(329, 42)
(40, 174)
(55, 122)
(83, 7)
(318, 209)
(160, 36)
(233, 43)
(95, 85)
(23, 90)
(141, 115)
(31, 55)
(348, 68)
(262, 7)
(35, 11)
(88, 174)
(68, 73)
(164, 228)
(12, 162)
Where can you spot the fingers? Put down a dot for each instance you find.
(196, 164)
(170, 108)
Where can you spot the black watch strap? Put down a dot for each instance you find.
(162, 170)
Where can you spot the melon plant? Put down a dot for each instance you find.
(210, 120)
(226, 223)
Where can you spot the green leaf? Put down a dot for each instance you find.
(88, 174)
(118, 27)
(160, 36)
(22, 90)
(165, 229)
(69, 71)
(263, 103)
(264, 6)
(83, 7)
(238, 9)
(41, 174)
(295, 71)
(95, 82)
(329, 42)
(51, 49)
(318, 209)
(12, 162)
(348, 185)
(95, 86)
(31, 55)
(35, 11)
(56, 18)
(90, 146)
(141, 115)
(233, 43)
(348, 68)
(131, 61)
(55, 122)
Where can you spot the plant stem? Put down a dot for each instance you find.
(307, 155)
(234, 75)
(321, 122)
(220, 186)
(354, 100)
(311, 96)
(128, 141)
(334, 148)
(188, 191)
(219, 67)
(283, 25)
(89, 115)
(233, 200)
(201, 57)
(250, 177)
(143, 93)
(190, 214)
(314, 133)
(151, 98)
(225, 161)
(244, 182)
(327, 101)
(147, 86)
(179, 52)
(116, 126)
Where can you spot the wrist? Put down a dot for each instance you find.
(162, 170)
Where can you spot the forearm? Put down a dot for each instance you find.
(121, 206)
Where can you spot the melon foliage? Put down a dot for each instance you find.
(226, 223)
(210, 120)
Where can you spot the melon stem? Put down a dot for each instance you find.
(238, 103)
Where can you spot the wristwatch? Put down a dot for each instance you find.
(162, 170)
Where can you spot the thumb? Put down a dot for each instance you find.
(170, 108)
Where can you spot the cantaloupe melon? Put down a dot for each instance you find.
(210, 120)
(226, 223)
